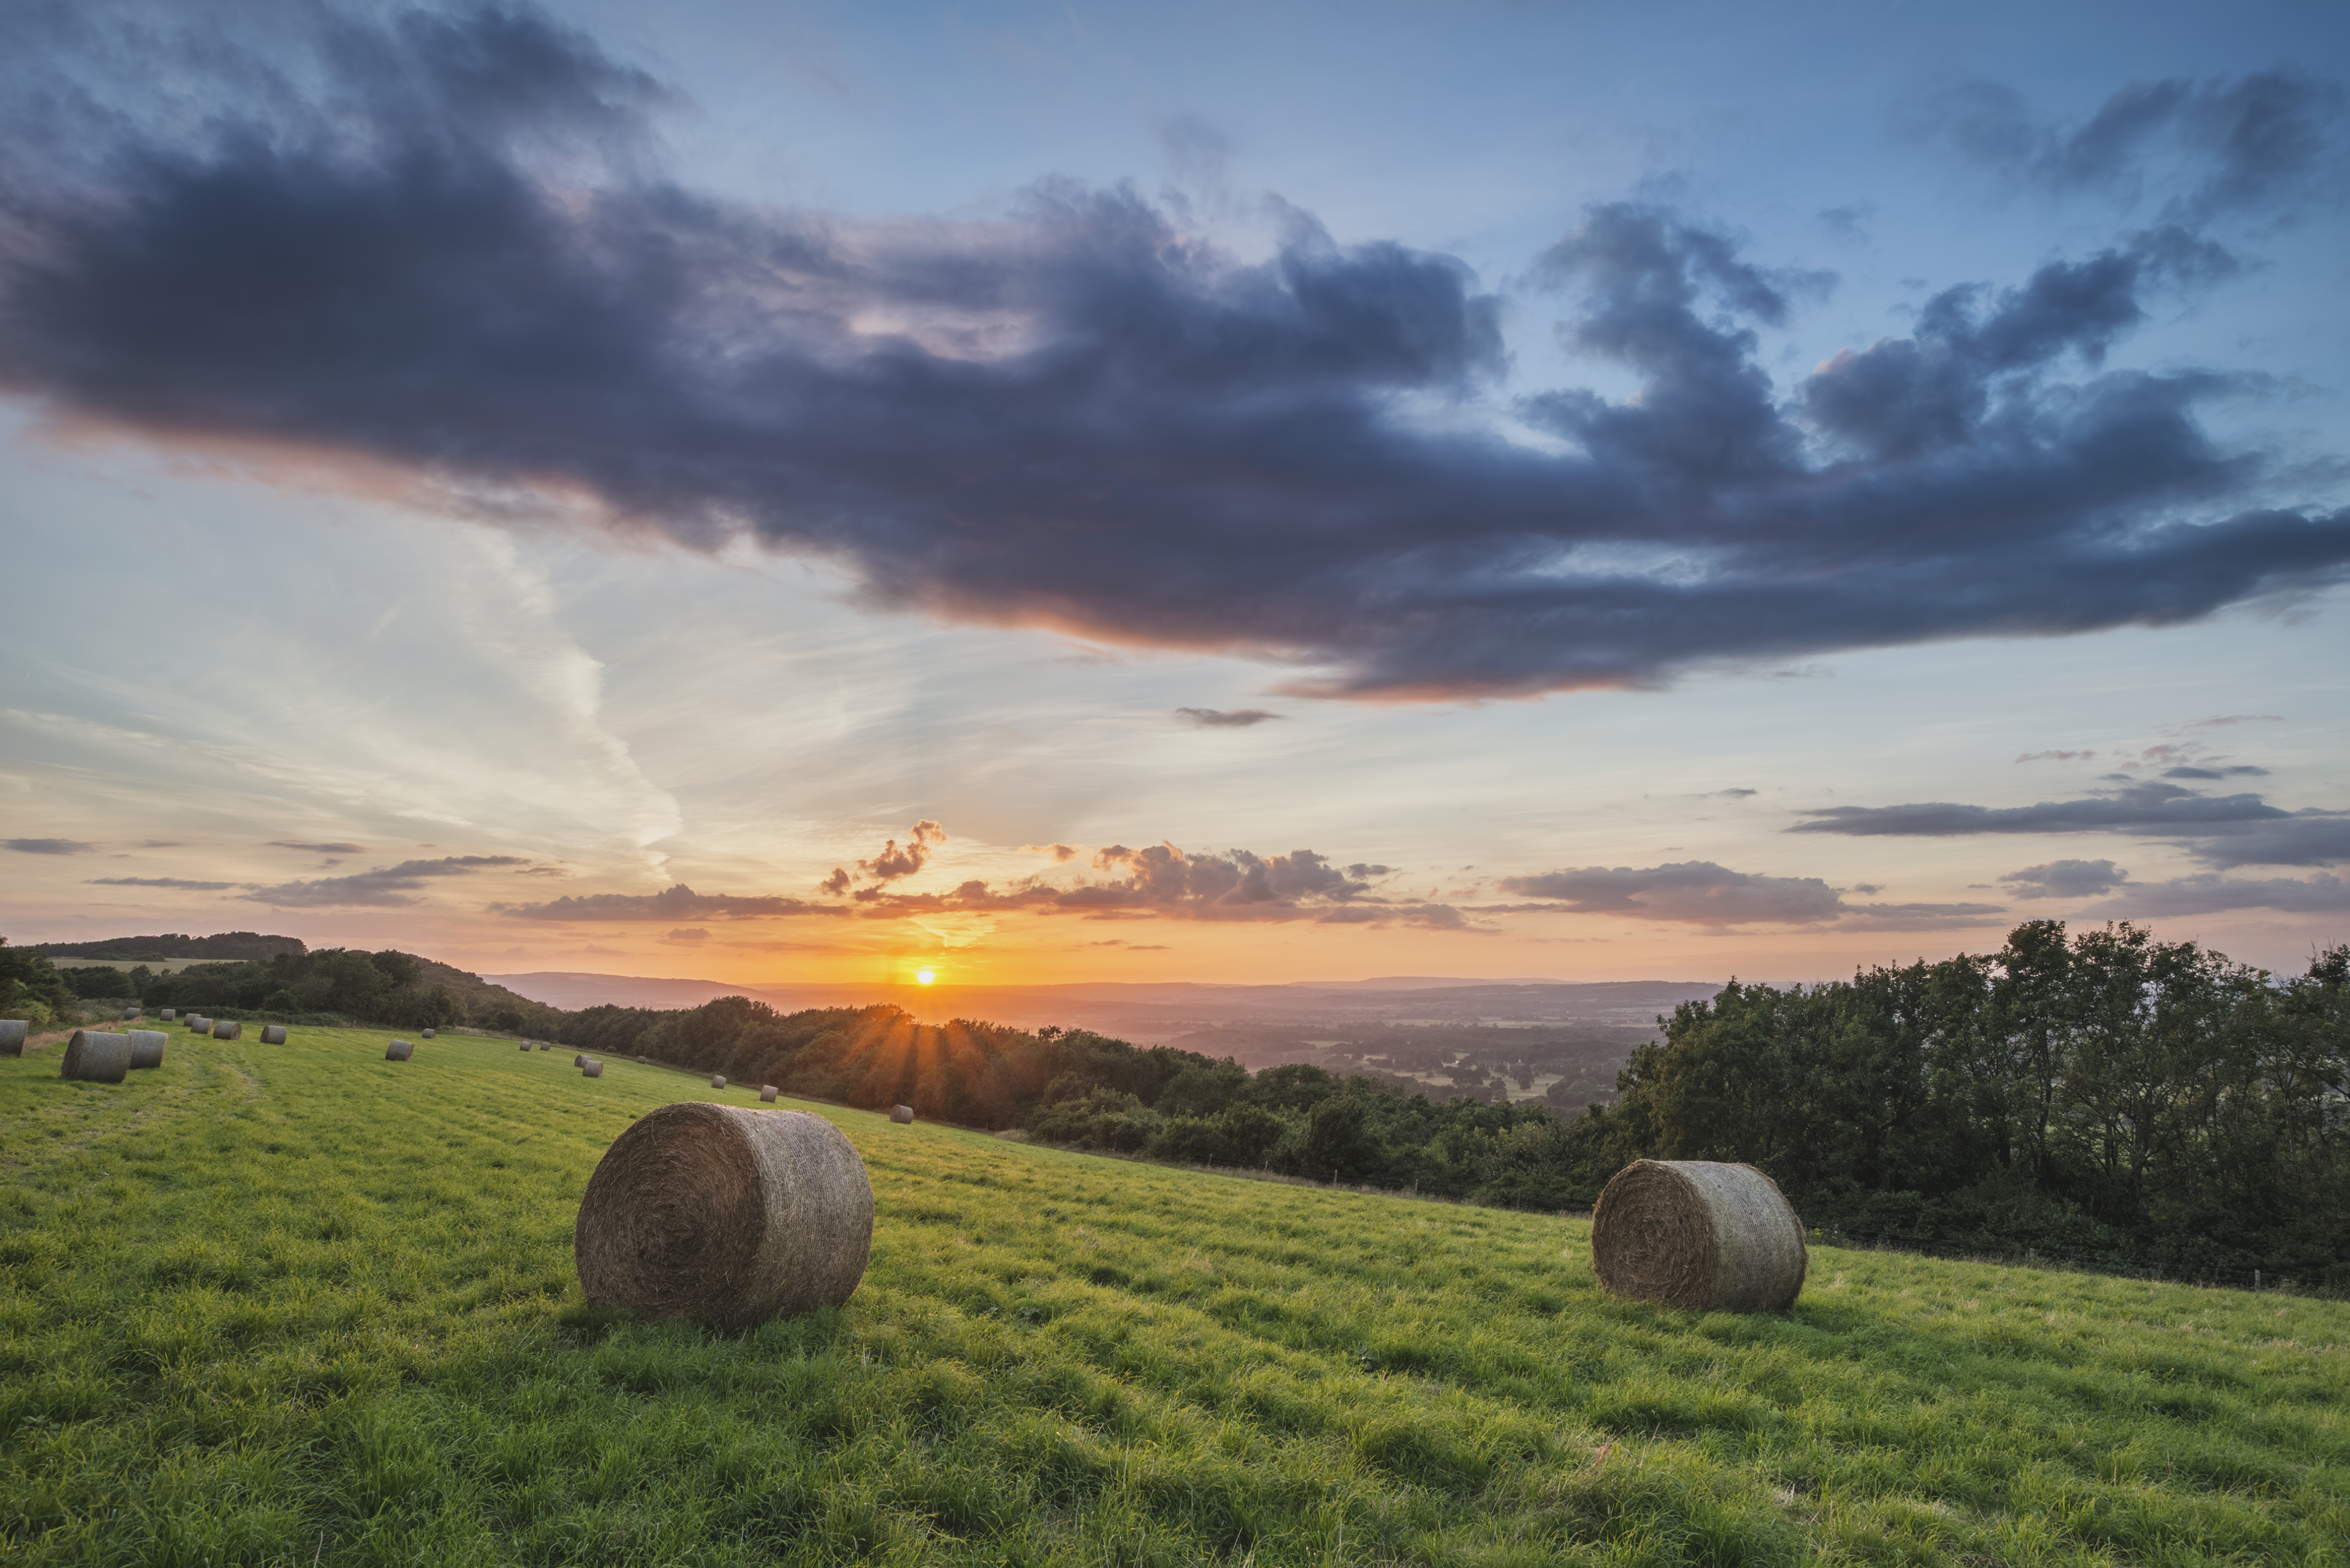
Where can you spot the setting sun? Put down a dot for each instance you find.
(925, 976)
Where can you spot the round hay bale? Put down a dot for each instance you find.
(1699, 1235)
(12, 1035)
(591, 1070)
(273, 1034)
(580, 1060)
(147, 1048)
(227, 1028)
(427, 1034)
(717, 1080)
(767, 1092)
(525, 1046)
(134, 1013)
(168, 1014)
(901, 1115)
(199, 1024)
(399, 1050)
(542, 1044)
(640, 1061)
(94, 1057)
(726, 1214)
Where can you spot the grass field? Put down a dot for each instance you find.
(300, 1305)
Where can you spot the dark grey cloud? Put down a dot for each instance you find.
(2212, 894)
(319, 848)
(1700, 893)
(1224, 718)
(2202, 148)
(2222, 831)
(2054, 756)
(47, 845)
(1087, 418)
(180, 882)
(2238, 771)
(384, 888)
(677, 903)
(2066, 880)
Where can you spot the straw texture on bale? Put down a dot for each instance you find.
(726, 1214)
(399, 1050)
(902, 1114)
(767, 1092)
(12, 1036)
(273, 1034)
(147, 1048)
(96, 1058)
(228, 1029)
(717, 1080)
(591, 1070)
(1699, 1235)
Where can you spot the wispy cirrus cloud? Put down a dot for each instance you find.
(181, 883)
(1087, 418)
(47, 845)
(388, 887)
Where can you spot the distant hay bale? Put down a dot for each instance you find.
(12, 1035)
(767, 1092)
(525, 1046)
(133, 1013)
(640, 1061)
(427, 1034)
(901, 1115)
(724, 1214)
(717, 1080)
(580, 1060)
(399, 1050)
(273, 1034)
(199, 1024)
(168, 1014)
(147, 1048)
(542, 1044)
(1699, 1235)
(592, 1069)
(92, 1057)
(228, 1029)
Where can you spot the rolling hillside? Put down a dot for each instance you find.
(299, 1304)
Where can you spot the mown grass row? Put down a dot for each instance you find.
(297, 1305)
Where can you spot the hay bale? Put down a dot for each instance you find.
(542, 1044)
(640, 1061)
(767, 1092)
(580, 1060)
(134, 1013)
(525, 1046)
(168, 1014)
(724, 1214)
(147, 1048)
(717, 1080)
(273, 1034)
(591, 1070)
(427, 1034)
(12, 1035)
(228, 1029)
(399, 1050)
(199, 1024)
(901, 1115)
(93, 1057)
(1700, 1235)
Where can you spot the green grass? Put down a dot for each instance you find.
(297, 1305)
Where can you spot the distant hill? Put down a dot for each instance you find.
(228, 947)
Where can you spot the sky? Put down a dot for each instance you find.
(786, 493)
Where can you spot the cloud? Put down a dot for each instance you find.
(689, 934)
(2241, 770)
(2055, 756)
(47, 845)
(2258, 142)
(180, 882)
(2210, 894)
(2223, 719)
(677, 903)
(893, 863)
(2223, 831)
(1214, 719)
(2066, 880)
(1079, 415)
(1732, 793)
(1700, 893)
(319, 848)
(385, 887)
(1062, 853)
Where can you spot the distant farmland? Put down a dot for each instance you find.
(299, 1305)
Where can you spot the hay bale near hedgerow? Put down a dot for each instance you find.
(591, 1069)
(93, 1057)
(767, 1092)
(640, 1061)
(717, 1080)
(147, 1048)
(542, 1044)
(525, 1046)
(399, 1050)
(579, 1060)
(724, 1214)
(901, 1115)
(228, 1029)
(273, 1034)
(167, 1014)
(199, 1024)
(12, 1035)
(427, 1034)
(1700, 1235)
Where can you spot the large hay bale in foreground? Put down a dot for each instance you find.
(147, 1048)
(228, 1029)
(1700, 1235)
(726, 1214)
(12, 1035)
(399, 1050)
(717, 1080)
(273, 1034)
(94, 1057)
(901, 1115)
(591, 1069)
(767, 1092)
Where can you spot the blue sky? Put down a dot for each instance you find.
(1623, 453)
